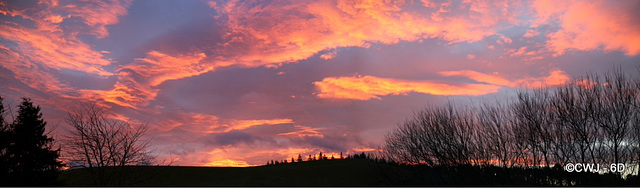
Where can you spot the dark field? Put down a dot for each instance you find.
(316, 173)
(353, 172)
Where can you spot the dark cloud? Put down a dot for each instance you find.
(233, 138)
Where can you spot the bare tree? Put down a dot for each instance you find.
(499, 131)
(592, 119)
(634, 136)
(436, 136)
(95, 140)
(615, 113)
(531, 112)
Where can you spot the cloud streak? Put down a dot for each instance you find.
(304, 131)
(207, 124)
(370, 87)
(555, 78)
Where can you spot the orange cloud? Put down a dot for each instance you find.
(47, 46)
(304, 131)
(363, 149)
(370, 87)
(328, 56)
(556, 77)
(586, 83)
(28, 73)
(206, 124)
(288, 37)
(137, 82)
(50, 45)
(126, 92)
(54, 50)
(612, 25)
(192, 122)
(245, 124)
(289, 31)
(479, 77)
(158, 67)
(99, 14)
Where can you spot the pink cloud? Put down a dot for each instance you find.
(531, 33)
(521, 51)
(304, 131)
(245, 124)
(585, 26)
(55, 50)
(28, 73)
(556, 77)
(328, 56)
(99, 14)
(48, 46)
(289, 31)
(137, 82)
(504, 40)
(207, 124)
(158, 67)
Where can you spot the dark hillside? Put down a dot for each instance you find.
(349, 172)
(356, 172)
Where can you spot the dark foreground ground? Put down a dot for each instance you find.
(353, 172)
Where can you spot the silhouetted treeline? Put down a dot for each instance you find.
(389, 172)
(27, 157)
(474, 175)
(321, 157)
(593, 119)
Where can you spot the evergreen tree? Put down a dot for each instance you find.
(320, 156)
(341, 155)
(299, 158)
(5, 135)
(32, 160)
(292, 160)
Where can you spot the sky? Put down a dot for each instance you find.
(239, 83)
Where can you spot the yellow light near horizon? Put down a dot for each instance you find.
(228, 163)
